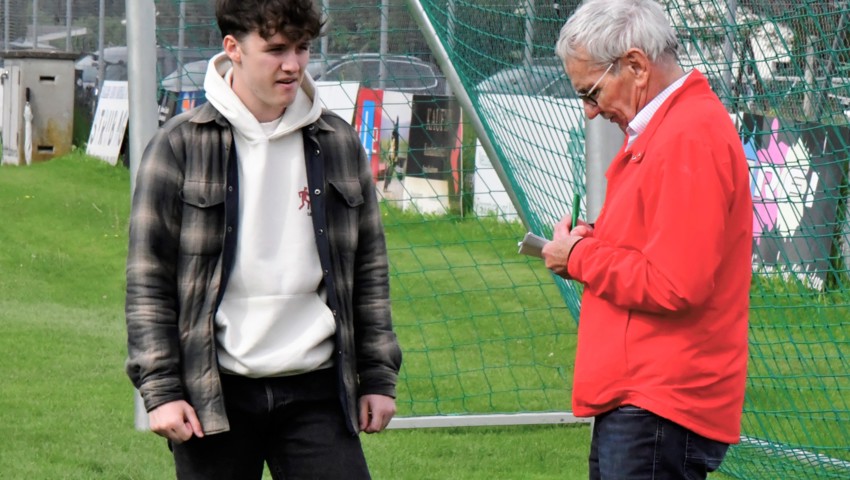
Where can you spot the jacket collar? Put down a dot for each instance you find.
(694, 84)
(321, 124)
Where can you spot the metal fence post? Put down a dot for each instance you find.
(602, 140)
(141, 58)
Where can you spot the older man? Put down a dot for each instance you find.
(662, 342)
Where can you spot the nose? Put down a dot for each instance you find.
(590, 110)
(289, 63)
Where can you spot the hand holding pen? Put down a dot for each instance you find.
(567, 233)
(572, 225)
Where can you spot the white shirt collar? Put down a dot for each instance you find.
(643, 117)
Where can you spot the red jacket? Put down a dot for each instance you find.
(667, 273)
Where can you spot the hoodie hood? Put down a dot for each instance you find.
(305, 110)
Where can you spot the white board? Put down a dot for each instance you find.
(110, 122)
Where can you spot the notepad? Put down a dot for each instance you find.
(532, 245)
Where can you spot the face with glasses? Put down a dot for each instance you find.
(605, 91)
(589, 96)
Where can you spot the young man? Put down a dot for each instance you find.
(662, 342)
(258, 312)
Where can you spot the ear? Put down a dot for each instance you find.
(638, 65)
(232, 49)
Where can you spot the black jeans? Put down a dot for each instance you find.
(630, 443)
(295, 424)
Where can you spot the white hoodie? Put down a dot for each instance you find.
(273, 319)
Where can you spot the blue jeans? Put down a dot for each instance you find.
(631, 443)
(294, 424)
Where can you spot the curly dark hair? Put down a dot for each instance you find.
(295, 19)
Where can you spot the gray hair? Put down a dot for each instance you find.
(606, 29)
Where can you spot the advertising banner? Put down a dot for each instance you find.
(367, 123)
(796, 174)
(433, 170)
(110, 122)
(434, 133)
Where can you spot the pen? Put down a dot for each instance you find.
(576, 199)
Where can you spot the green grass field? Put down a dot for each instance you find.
(66, 406)
(483, 331)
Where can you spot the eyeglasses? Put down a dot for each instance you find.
(589, 96)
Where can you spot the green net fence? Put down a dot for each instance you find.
(484, 330)
(487, 331)
(780, 70)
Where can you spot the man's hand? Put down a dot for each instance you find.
(556, 253)
(376, 411)
(563, 229)
(175, 421)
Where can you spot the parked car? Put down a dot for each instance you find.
(533, 80)
(188, 78)
(404, 73)
(319, 63)
(115, 62)
(182, 89)
(87, 66)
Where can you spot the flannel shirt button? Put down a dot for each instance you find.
(229, 229)
(317, 191)
(325, 273)
(334, 312)
(230, 188)
(321, 231)
(318, 151)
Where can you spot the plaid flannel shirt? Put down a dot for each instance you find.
(182, 241)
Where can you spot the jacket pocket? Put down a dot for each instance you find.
(202, 194)
(349, 190)
(344, 214)
(203, 217)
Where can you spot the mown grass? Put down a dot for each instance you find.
(483, 330)
(797, 411)
(66, 407)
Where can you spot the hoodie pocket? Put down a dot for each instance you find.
(202, 228)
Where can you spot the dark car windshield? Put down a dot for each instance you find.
(534, 80)
(404, 74)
